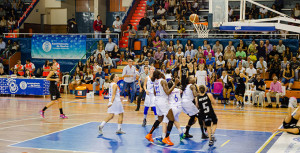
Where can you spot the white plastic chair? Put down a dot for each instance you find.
(65, 83)
(248, 93)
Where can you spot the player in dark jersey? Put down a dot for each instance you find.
(240, 87)
(291, 121)
(207, 113)
(183, 70)
(53, 77)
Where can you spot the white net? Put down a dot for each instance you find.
(202, 30)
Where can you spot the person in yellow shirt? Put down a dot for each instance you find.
(252, 47)
(253, 57)
(181, 30)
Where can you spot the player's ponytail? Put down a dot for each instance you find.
(202, 89)
(112, 77)
(156, 75)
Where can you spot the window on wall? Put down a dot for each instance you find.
(116, 6)
(84, 5)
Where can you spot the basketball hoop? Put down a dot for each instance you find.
(202, 29)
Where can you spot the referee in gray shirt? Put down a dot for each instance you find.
(129, 74)
(141, 84)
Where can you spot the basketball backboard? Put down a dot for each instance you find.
(219, 9)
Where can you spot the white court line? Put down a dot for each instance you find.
(53, 149)
(9, 140)
(49, 134)
(270, 138)
(32, 124)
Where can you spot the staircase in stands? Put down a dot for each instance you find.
(133, 19)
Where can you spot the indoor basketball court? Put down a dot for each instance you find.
(24, 130)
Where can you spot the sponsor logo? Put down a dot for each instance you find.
(238, 28)
(23, 85)
(47, 46)
(13, 87)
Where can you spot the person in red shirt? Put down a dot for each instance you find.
(20, 68)
(46, 69)
(98, 27)
(57, 65)
(29, 66)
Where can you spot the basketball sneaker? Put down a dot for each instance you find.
(187, 135)
(211, 143)
(100, 130)
(213, 138)
(204, 136)
(181, 136)
(63, 116)
(42, 114)
(159, 140)
(120, 132)
(167, 141)
(149, 137)
(144, 123)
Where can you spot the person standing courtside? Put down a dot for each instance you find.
(129, 74)
(98, 27)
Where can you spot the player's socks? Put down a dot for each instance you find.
(44, 108)
(156, 117)
(163, 135)
(155, 125)
(119, 126)
(102, 124)
(61, 111)
(145, 116)
(169, 128)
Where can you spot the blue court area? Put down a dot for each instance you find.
(85, 138)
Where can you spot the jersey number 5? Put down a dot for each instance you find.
(205, 108)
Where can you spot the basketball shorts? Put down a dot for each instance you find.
(208, 118)
(291, 124)
(240, 90)
(54, 93)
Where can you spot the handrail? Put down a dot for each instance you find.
(88, 34)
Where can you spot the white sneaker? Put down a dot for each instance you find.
(120, 132)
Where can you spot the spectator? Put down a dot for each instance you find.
(180, 14)
(189, 43)
(188, 51)
(279, 4)
(241, 68)
(72, 26)
(107, 63)
(254, 11)
(171, 44)
(98, 51)
(188, 59)
(160, 32)
(98, 27)
(242, 46)
(150, 5)
(205, 45)
(132, 34)
(218, 53)
(145, 33)
(178, 45)
(246, 64)
(11, 23)
(295, 65)
(141, 82)
(88, 77)
(77, 78)
(145, 64)
(100, 60)
(80, 66)
(117, 25)
(194, 52)
(159, 56)
(275, 67)
(2, 44)
(179, 52)
(3, 25)
(99, 79)
(288, 76)
(220, 66)
(144, 22)
(240, 53)
(251, 72)
(129, 73)
(28, 75)
(268, 46)
(181, 30)
(163, 22)
(171, 63)
(275, 90)
(154, 24)
(230, 46)
(172, 4)
(206, 52)
(252, 47)
(189, 10)
(232, 61)
(280, 47)
(210, 60)
(107, 32)
(260, 90)
(141, 61)
(272, 53)
(228, 53)
(284, 63)
(253, 57)
(156, 43)
(29, 66)
(115, 56)
(150, 59)
(229, 69)
(46, 68)
(95, 68)
(230, 14)
(261, 50)
(263, 13)
(129, 54)
(261, 66)
(218, 46)
(2, 12)
(287, 53)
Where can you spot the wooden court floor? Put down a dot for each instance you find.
(20, 119)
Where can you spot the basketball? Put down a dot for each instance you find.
(194, 18)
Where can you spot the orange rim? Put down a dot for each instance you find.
(203, 23)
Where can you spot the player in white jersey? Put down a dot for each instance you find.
(188, 107)
(115, 106)
(150, 97)
(161, 92)
(201, 76)
(175, 105)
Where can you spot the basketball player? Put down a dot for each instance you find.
(240, 87)
(115, 106)
(188, 107)
(228, 86)
(207, 113)
(150, 98)
(290, 122)
(175, 105)
(161, 92)
(54, 93)
(183, 70)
